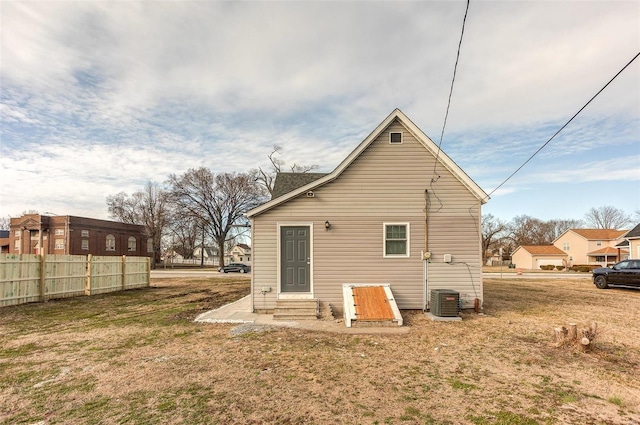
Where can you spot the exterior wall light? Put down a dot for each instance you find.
(327, 225)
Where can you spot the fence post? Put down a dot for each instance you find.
(148, 272)
(42, 278)
(124, 272)
(87, 287)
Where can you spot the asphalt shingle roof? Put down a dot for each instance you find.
(599, 234)
(634, 233)
(543, 249)
(286, 182)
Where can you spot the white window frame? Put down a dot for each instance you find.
(408, 240)
(131, 244)
(17, 234)
(59, 232)
(401, 137)
(84, 234)
(59, 244)
(566, 246)
(85, 244)
(110, 246)
(598, 243)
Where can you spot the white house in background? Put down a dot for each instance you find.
(396, 211)
(209, 253)
(240, 253)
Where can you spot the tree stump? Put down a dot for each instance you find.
(572, 336)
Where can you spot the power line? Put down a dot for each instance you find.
(562, 128)
(455, 68)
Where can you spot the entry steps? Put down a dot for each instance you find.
(297, 309)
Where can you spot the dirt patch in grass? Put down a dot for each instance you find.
(137, 357)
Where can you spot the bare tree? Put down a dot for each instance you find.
(266, 178)
(526, 230)
(218, 201)
(557, 227)
(493, 229)
(607, 217)
(5, 223)
(148, 207)
(184, 232)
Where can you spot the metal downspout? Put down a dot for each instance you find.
(425, 253)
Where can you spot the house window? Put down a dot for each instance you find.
(16, 246)
(598, 243)
(132, 243)
(85, 234)
(395, 138)
(59, 244)
(17, 233)
(85, 244)
(396, 239)
(150, 245)
(59, 232)
(111, 243)
(565, 246)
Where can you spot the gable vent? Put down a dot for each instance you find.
(395, 138)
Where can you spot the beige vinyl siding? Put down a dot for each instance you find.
(386, 183)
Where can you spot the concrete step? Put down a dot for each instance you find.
(296, 310)
(312, 303)
(285, 317)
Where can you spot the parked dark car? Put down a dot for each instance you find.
(625, 272)
(235, 267)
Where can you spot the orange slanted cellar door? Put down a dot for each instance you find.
(371, 304)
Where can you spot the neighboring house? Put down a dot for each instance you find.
(4, 241)
(240, 253)
(590, 246)
(209, 253)
(633, 237)
(42, 234)
(533, 256)
(393, 199)
(171, 256)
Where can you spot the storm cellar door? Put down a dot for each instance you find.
(370, 305)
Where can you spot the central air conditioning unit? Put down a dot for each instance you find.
(445, 302)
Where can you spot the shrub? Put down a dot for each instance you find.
(547, 267)
(560, 268)
(584, 268)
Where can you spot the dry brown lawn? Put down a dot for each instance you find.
(136, 357)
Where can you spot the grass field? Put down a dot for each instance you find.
(136, 357)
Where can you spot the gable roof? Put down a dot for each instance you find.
(243, 246)
(633, 233)
(599, 234)
(606, 251)
(286, 182)
(542, 250)
(422, 138)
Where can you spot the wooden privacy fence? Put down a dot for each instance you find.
(26, 278)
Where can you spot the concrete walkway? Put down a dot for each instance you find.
(240, 312)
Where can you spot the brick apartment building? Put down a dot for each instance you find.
(42, 234)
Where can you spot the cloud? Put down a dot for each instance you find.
(106, 95)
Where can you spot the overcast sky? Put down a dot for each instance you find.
(101, 97)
